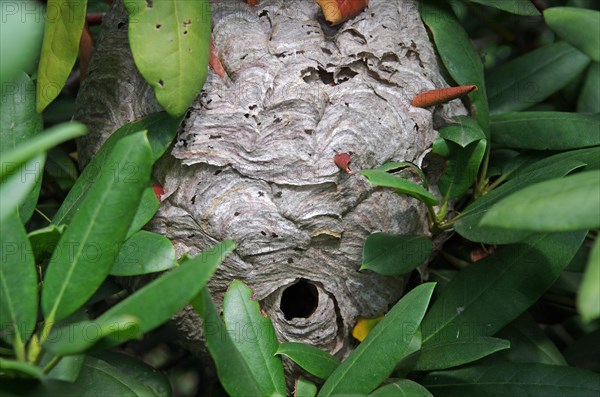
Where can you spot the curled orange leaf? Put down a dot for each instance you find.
(364, 326)
(338, 11)
(252, 2)
(439, 96)
(342, 160)
(86, 45)
(214, 61)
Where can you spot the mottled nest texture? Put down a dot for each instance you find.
(253, 161)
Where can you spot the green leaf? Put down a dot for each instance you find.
(402, 388)
(85, 253)
(145, 211)
(256, 340)
(545, 130)
(135, 368)
(100, 376)
(156, 302)
(401, 167)
(459, 56)
(40, 143)
(533, 77)
(310, 358)
(484, 297)
(519, 7)
(18, 285)
(589, 97)
(588, 303)
(144, 253)
(531, 380)
(170, 45)
(61, 168)
(161, 130)
(21, 33)
(68, 369)
(75, 338)
(580, 27)
(529, 344)
(462, 168)
(19, 122)
(304, 388)
(375, 358)
(384, 179)
(18, 186)
(233, 371)
(448, 354)
(43, 241)
(392, 254)
(551, 167)
(558, 205)
(64, 24)
(464, 132)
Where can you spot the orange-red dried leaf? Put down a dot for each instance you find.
(342, 160)
(252, 2)
(86, 44)
(439, 96)
(158, 191)
(338, 11)
(214, 61)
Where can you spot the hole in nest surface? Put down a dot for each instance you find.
(299, 300)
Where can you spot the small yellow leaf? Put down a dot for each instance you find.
(364, 326)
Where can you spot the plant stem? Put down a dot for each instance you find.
(51, 364)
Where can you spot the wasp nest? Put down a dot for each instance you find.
(254, 161)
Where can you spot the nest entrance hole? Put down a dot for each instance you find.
(299, 300)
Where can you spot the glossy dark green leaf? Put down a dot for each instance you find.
(462, 168)
(99, 375)
(393, 254)
(161, 131)
(588, 303)
(76, 338)
(516, 380)
(585, 351)
(528, 343)
(43, 241)
(484, 297)
(304, 388)
(463, 132)
(589, 97)
(64, 24)
(394, 167)
(170, 45)
(312, 359)
(545, 130)
(38, 144)
(375, 358)
(144, 253)
(404, 186)
(554, 166)
(457, 53)
(137, 369)
(19, 187)
(580, 27)
(20, 38)
(519, 7)
(68, 369)
(156, 302)
(533, 77)
(19, 122)
(449, 354)
(557, 205)
(402, 388)
(149, 204)
(61, 168)
(234, 373)
(256, 340)
(85, 252)
(18, 285)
